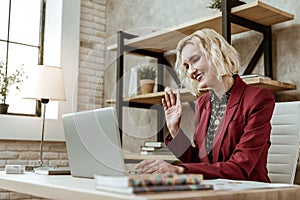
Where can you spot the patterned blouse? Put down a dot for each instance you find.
(218, 107)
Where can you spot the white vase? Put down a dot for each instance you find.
(133, 82)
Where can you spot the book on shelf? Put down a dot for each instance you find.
(152, 147)
(162, 151)
(254, 75)
(154, 144)
(155, 150)
(139, 183)
(155, 188)
(145, 148)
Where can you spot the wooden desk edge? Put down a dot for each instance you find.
(67, 187)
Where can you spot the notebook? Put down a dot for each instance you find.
(93, 143)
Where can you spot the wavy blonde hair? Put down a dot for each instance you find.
(217, 51)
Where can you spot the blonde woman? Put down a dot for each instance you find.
(232, 120)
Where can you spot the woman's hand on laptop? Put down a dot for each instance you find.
(158, 166)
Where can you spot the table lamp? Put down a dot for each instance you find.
(45, 83)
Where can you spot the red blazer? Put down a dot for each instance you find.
(241, 143)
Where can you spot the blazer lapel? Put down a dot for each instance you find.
(202, 128)
(232, 105)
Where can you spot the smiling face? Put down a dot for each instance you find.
(197, 67)
(204, 59)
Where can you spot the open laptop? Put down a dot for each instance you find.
(93, 143)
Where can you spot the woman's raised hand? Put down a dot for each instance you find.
(173, 111)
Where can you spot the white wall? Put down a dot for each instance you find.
(61, 48)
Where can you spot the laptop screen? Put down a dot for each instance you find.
(93, 143)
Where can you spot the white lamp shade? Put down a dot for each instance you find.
(45, 82)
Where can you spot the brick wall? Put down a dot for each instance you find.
(13, 195)
(90, 94)
(27, 153)
(14, 152)
(92, 54)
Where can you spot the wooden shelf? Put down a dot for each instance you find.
(155, 98)
(186, 96)
(274, 85)
(164, 40)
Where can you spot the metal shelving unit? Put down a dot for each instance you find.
(255, 15)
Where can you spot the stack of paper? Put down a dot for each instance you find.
(226, 184)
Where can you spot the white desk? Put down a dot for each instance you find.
(67, 187)
(53, 187)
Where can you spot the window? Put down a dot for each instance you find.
(62, 33)
(21, 45)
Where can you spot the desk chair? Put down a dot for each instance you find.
(285, 136)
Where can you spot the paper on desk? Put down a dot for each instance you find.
(226, 184)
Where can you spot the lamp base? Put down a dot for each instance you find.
(42, 169)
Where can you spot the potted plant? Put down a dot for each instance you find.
(147, 76)
(7, 80)
(217, 4)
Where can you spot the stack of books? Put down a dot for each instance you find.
(158, 148)
(142, 183)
